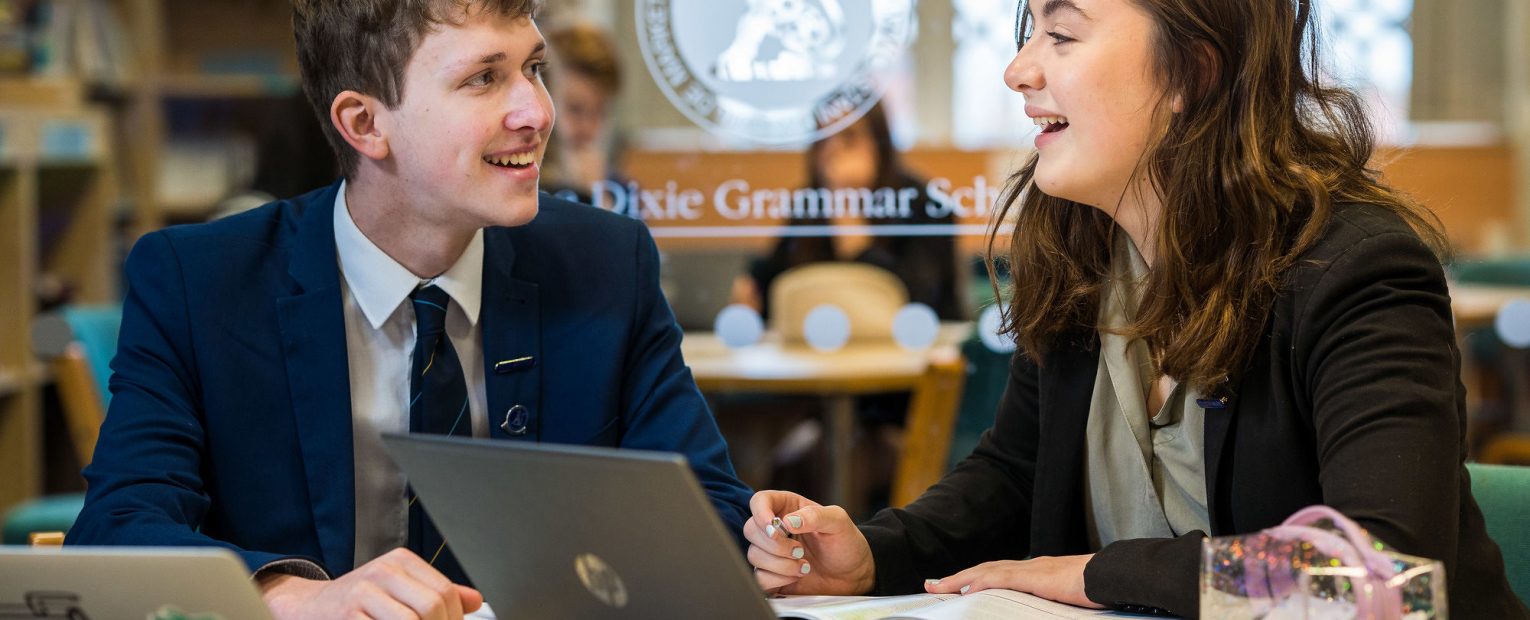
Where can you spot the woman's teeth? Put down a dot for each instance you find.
(515, 160)
(1050, 123)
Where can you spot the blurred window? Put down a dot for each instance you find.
(1369, 49)
(984, 112)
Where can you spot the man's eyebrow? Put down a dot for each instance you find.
(1053, 6)
(489, 59)
(492, 58)
(486, 59)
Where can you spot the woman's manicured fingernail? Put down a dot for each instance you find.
(770, 531)
(806, 568)
(966, 588)
(798, 553)
(795, 520)
(932, 582)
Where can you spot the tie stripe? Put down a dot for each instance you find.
(458, 421)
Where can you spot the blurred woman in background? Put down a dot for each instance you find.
(863, 156)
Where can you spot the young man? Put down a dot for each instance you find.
(431, 290)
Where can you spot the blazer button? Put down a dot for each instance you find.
(515, 420)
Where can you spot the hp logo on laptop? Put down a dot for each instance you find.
(601, 580)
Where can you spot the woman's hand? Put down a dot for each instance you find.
(1059, 579)
(828, 555)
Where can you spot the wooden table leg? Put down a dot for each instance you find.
(841, 435)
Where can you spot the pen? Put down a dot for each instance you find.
(775, 524)
(797, 551)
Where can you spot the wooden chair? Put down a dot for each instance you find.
(46, 539)
(869, 295)
(928, 430)
(77, 343)
(79, 398)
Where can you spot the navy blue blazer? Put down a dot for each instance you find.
(230, 420)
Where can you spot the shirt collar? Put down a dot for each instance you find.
(380, 284)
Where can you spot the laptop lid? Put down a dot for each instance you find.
(98, 583)
(580, 532)
(698, 285)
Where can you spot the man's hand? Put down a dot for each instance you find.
(397, 585)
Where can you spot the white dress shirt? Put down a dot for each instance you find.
(379, 343)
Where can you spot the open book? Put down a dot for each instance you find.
(984, 605)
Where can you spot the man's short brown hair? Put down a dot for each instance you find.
(364, 45)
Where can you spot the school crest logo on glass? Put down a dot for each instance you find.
(774, 71)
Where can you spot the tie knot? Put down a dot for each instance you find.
(430, 309)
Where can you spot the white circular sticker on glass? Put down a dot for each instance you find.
(826, 328)
(738, 326)
(988, 327)
(774, 71)
(1513, 323)
(915, 326)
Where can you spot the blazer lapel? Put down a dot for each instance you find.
(318, 375)
(1218, 424)
(512, 343)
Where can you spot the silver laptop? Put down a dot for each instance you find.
(698, 285)
(108, 583)
(580, 532)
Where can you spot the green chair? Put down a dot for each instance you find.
(1503, 492)
(78, 342)
(987, 373)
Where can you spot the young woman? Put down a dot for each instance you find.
(1223, 317)
(863, 156)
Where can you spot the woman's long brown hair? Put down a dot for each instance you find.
(1248, 173)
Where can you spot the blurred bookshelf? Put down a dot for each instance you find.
(57, 190)
(117, 117)
(210, 72)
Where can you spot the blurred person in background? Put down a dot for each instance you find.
(863, 156)
(585, 78)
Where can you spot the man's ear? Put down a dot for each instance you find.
(355, 116)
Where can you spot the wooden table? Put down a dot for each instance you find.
(774, 367)
(1476, 305)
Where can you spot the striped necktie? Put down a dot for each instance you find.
(438, 404)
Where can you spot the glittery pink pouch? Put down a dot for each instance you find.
(1317, 565)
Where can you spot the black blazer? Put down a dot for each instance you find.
(1352, 399)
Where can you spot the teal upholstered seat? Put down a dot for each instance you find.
(95, 328)
(1503, 491)
(54, 513)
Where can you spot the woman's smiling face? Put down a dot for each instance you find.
(1087, 75)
